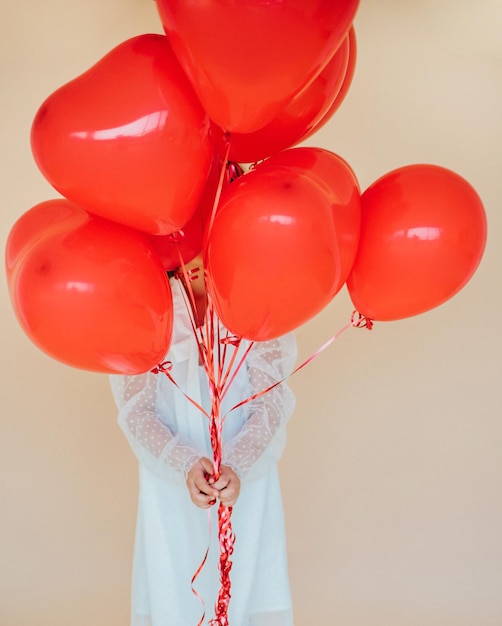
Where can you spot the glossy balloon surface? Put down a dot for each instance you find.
(247, 59)
(88, 292)
(423, 234)
(274, 255)
(128, 139)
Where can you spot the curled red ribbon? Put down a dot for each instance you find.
(356, 320)
(227, 540)
(360, 321)
(220, 376)
(162, 368)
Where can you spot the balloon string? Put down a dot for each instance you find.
(213, 350)
(219, 188)
(200, 568)
(217, 374)
(187, 276)
(226, 536)
(357, 320)
(227, 383)
(227, 540)
(163, 368)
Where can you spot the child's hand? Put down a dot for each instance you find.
(200, 484)
(228, 485)
(204, 490)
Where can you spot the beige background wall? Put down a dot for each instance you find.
(393, 472)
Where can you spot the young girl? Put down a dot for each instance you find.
(170, 438)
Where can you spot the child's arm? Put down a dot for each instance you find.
(163, 453)
(260, 442)
(155, 446)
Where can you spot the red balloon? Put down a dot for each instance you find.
(274, 255)
(423, 234)
(299, 117)
(247, 59)
(128, 139)
(88, 292)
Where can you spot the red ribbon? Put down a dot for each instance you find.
(356, 320)
(162, 368)
(213, 351)
(227, 540)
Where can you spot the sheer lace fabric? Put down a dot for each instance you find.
(170, 454)
(261, 440)
(161, 451)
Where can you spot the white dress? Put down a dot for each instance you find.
(168, 434)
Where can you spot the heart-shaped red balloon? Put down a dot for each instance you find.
(128, 139)
(247, 58)
(87, 291)
(282, 242)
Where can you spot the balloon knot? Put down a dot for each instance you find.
(176, 237)
(231, 340)
(234, 171)
(358, 320)
(191, 274)
(162, 368)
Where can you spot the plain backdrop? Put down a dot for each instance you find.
(392, 475)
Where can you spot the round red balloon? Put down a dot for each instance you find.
(128, 139)
(299, 117)
(247, 59)
(88, 292)
(423, 234)
(273, 254)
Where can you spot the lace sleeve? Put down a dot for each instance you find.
(260, 442)
(155, 446)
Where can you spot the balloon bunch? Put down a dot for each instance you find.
(143, 147)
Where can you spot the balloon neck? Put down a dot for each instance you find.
(358, 320)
